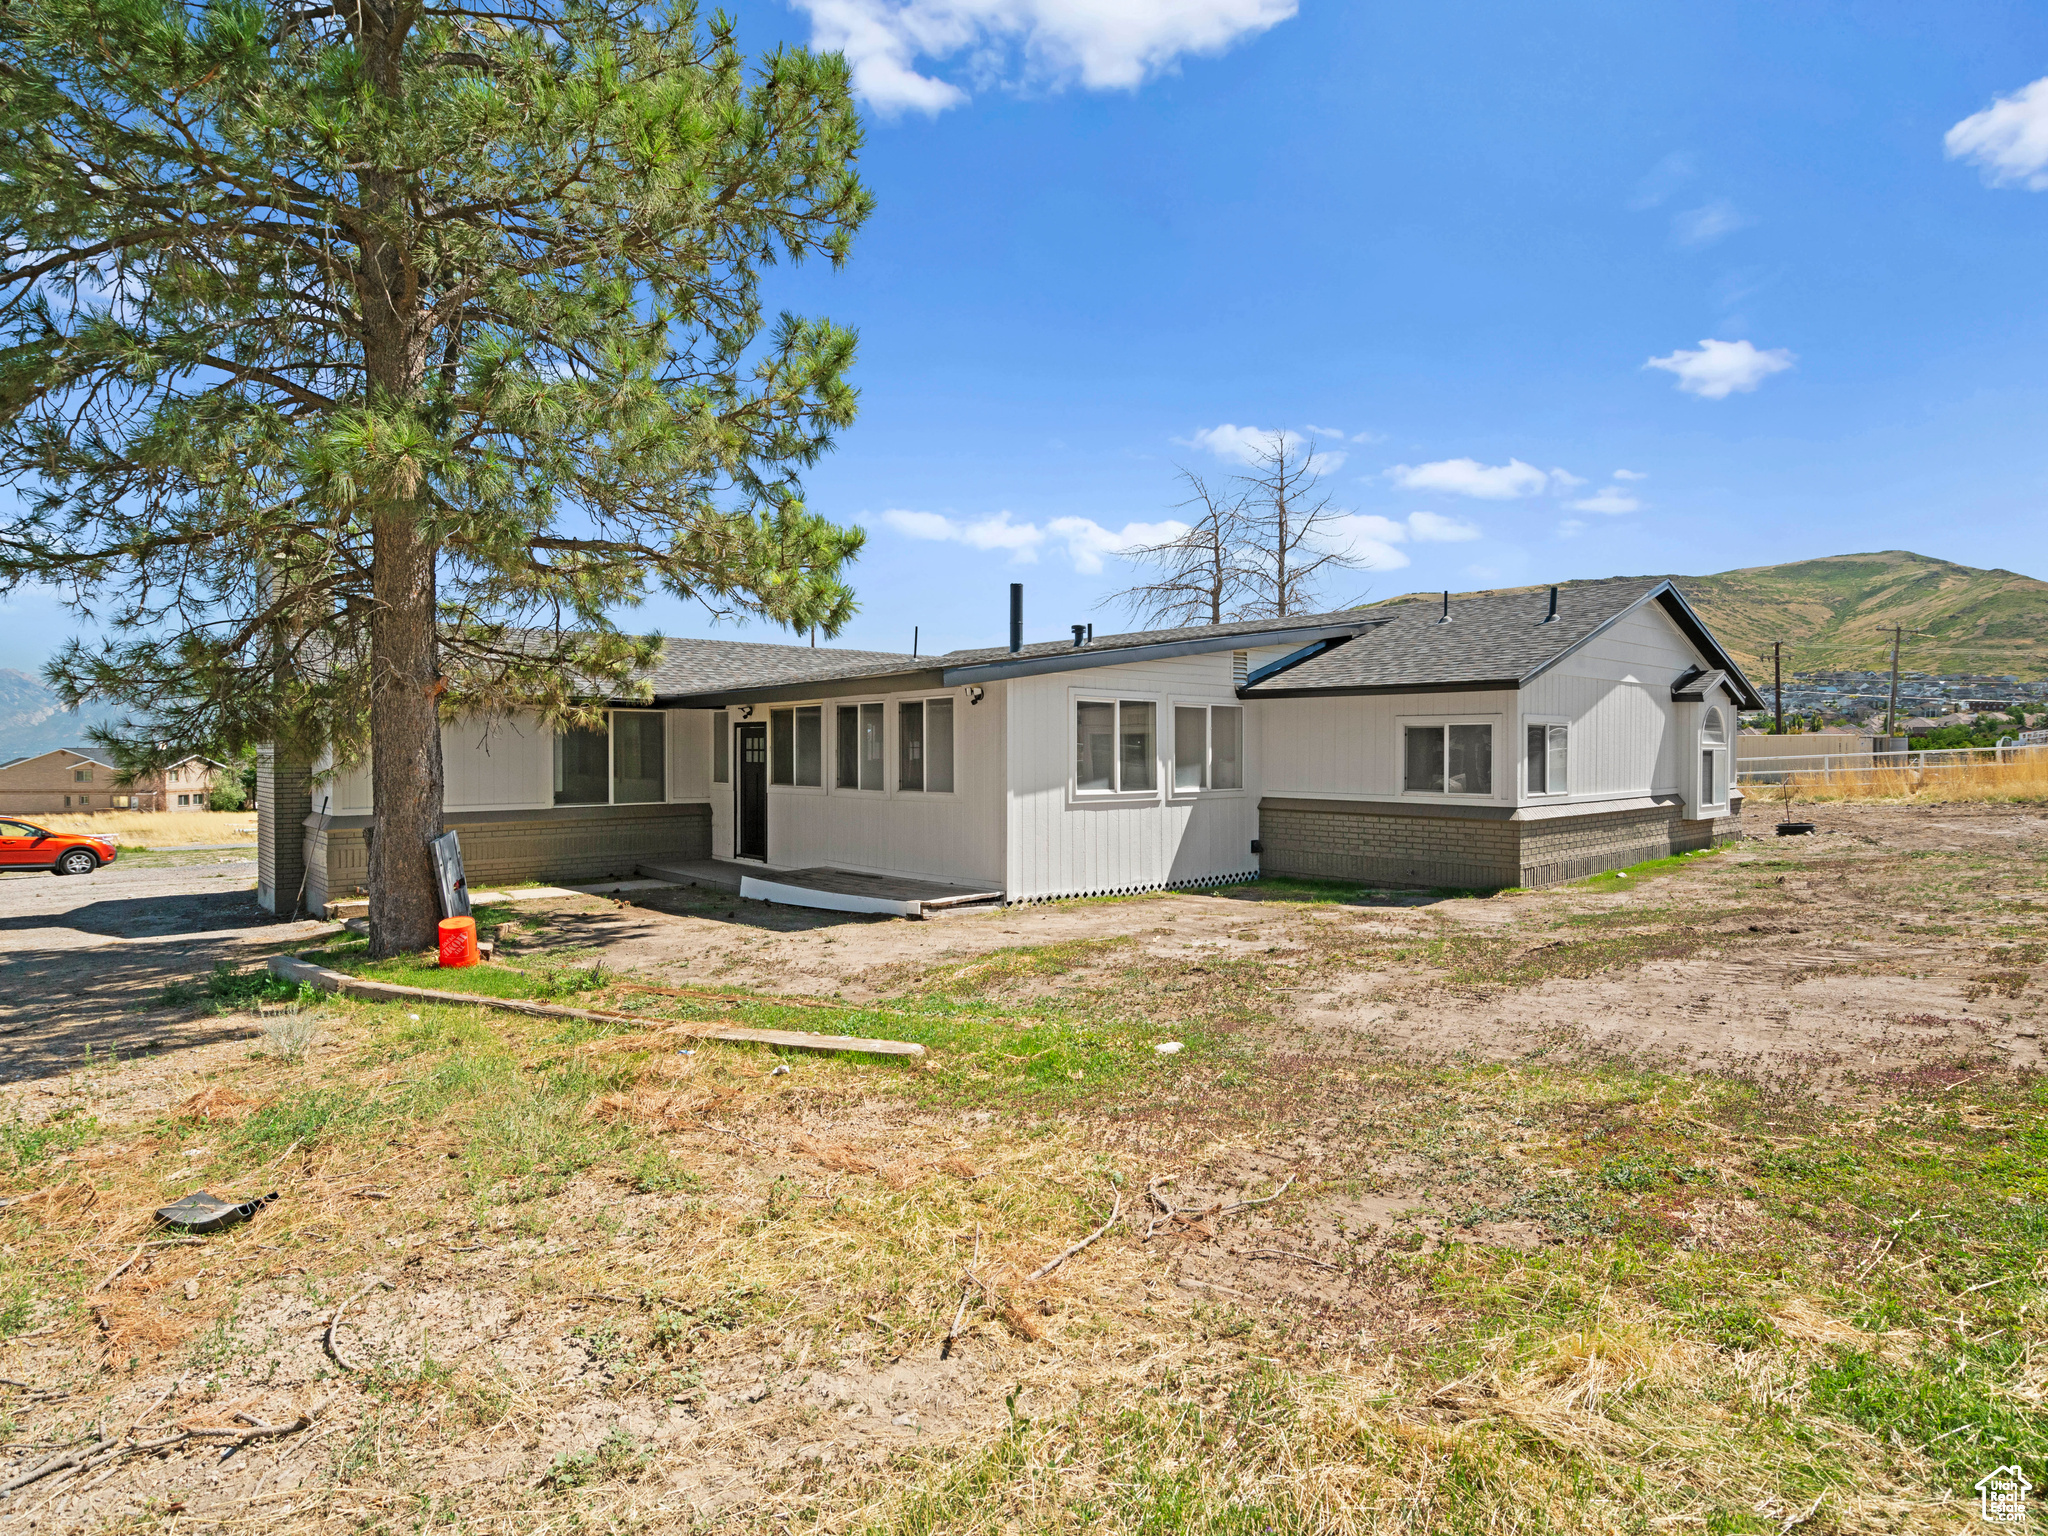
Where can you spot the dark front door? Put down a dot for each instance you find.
(750, 784)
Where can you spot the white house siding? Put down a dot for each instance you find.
(1064, 844)
(509, 765)
(1615, 693)
(1349, 747)
(955, 837)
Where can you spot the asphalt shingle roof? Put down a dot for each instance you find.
(1495, 638)
(708, 666)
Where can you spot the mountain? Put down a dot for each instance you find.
(1837, 612)
(33, 719)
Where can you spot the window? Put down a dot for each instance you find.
(721, 748)
(1208, 746)
(1713, 747)
(859, 740)
(1546, 757)
(1114, 746)
(81, 775)
(1714, 729)
(583, 765)
(182, 800)
(622, 762)
(639, 772)
(796, 746)
(924, 746)
(1707, 787)
(1447, 759)
(67, 802)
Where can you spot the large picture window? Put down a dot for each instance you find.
(924, 742)
(1546, 750)
(1208, 747)
(1116, 746)
(796, 746)
(1447, 759)
(858, 736)
(625, 762)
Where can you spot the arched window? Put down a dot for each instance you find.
(1714, 729)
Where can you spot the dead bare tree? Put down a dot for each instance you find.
(1200, 578)
(1290, 544)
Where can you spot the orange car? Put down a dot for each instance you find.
(24, 845)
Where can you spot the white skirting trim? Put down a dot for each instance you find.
(1243, 877)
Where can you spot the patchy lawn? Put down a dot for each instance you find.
(1392, 1249)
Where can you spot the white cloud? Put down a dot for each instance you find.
(1613, 500)
(1469, 477)
(1564, 480)
(1704, 225)
(2008, 139)
(1435, 528)
(1628, 474)
(998, 532)
(1663, 180)
(1105, 45)
(1722, 368)
(1088, 541)
(1245, 444)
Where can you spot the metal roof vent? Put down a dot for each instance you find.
(1240, 668)
(1551, 617)
(1447, 610)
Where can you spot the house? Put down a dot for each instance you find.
(70, 779)
(81, 780)
(1494, 740)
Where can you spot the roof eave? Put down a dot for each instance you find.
(1353, 690)
(1081, 658)
(796, 693)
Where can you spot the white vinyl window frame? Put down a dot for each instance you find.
(1713, 759)
(1556, 755)
(956, 708)
(1503, 787)
(1169, 749)
(1162, 756)
(769, 712)
(885, 784)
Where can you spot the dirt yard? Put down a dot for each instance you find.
(1707, 1196)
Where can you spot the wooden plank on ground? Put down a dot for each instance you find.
(304, 972)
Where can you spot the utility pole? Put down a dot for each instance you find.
(1778, 677)
(1891, 714)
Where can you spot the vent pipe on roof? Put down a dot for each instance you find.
(1447, 610)
(1016, 617)
(1080, 632)
(1551, 618)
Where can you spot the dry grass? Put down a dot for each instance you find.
(158, 829)
(2026, 779)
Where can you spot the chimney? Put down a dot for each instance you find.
(1016, 617)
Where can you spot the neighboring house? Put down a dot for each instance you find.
(81, 779)
(1491, 741)
(70, 779)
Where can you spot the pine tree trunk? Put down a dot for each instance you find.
(405, 740)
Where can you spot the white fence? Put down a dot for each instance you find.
(1776, 770)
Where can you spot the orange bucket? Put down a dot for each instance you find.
(458, 941)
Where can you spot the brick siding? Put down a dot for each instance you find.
(592, 843)
(284, 798)
(1347, 841)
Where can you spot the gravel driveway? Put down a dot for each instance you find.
(82, 959)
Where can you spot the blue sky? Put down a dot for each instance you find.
(1447, 240)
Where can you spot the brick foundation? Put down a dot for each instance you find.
(586, 842)
(1470, 847)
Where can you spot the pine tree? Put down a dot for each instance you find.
(354, 361)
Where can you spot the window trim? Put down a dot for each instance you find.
(1170, 754)
(1522, 780)
(1162, 761)
(1399, 748)
(830, 765)
(611, 763)
(1724, 770)
(823, 786)
(894, 732)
